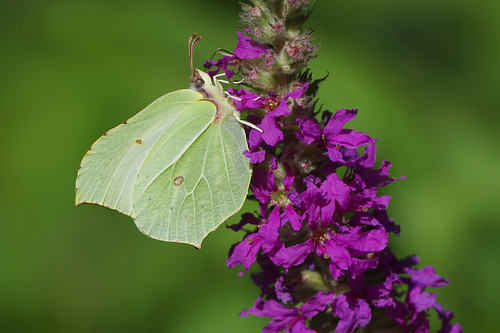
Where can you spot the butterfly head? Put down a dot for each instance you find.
(213, 92)
(209, 87)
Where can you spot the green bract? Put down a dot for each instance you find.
(177, 167)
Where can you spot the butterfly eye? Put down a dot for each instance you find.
(200, 81)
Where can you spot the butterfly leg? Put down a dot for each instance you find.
(244, 122)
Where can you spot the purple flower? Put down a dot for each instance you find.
(271, 133)
(425, 277)
(282, 290)
(333, 137)
(225, 63)
(293, 255)
(255, 157)
(352, 312)
(364, 174)
(446, 316)
(289, 319)
(267, 238)
(245, 252)
(293, 217)
(367, 199)
(336, 190)
(246, 48)
(411, 313)
(359, 266)
(244, 99)
(263, 183)
(376, 218)
(269, 231)
(353, 307)
(318, 209)
(255, 154)
(335, 247)
(363, 242)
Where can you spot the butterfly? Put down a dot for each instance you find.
(176, 168)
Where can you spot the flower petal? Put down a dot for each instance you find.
(338, 121)
(349, 138)
(246, 48)
(245, 252)
(309, 131)
(271, 134)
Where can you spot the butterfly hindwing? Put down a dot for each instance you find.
(208, 184)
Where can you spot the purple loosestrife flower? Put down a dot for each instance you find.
(266, 238)
(271, 133)
(333, 136)
(290, 320)
(244, 99)
(246, 48)
(245, 252)
(354, 308)
(330, 240)
(446, 316)
(321, 232)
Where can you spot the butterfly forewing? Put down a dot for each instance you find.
(108, 172)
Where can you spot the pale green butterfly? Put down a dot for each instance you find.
(177, 167)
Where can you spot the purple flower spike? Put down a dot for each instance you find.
(322, 224)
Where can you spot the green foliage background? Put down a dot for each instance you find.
(424, 75)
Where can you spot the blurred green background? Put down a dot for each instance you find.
(425, 76)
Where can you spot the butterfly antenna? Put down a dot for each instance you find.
(191, 43)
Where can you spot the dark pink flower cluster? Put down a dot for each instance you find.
(321, 233)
